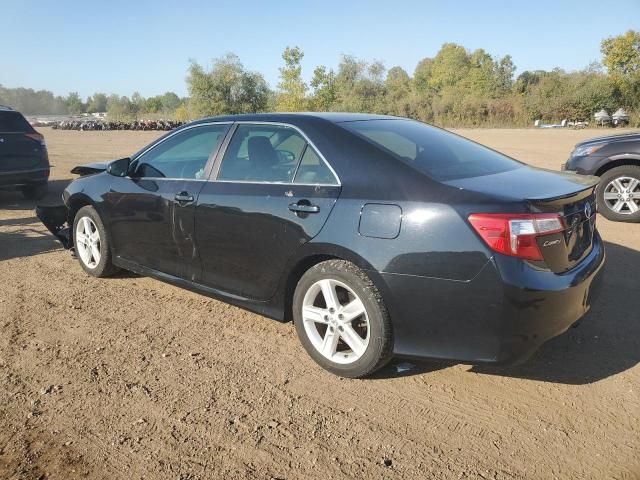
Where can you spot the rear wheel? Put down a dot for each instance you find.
(35, 192)
(341, 319)
(91, 243)
(619, 194)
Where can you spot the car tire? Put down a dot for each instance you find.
(35, 192)
(613, 193)
(92, 244)
(328, 329)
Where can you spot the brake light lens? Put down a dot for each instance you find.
(37, 137)
(515, 234)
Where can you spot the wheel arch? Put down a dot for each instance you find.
(311, 255)
(618, 161)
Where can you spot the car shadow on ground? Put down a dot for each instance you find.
(24, 236)
(605, 343)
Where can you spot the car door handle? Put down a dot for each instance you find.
(183, 198)
(304, 207)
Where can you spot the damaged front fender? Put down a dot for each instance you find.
(55, 218)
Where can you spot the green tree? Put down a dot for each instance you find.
(398, 92)
(74, 103)
(97, 103)
(621, 57)
(291, 89)
(226, 89)
(324, 89)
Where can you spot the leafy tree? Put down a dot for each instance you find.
(226, 89)
(97, 103)
(292, 89)
(398, 92)
(74, 103)
(324, 89)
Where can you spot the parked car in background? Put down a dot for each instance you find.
(616, 160)
(24, 161)
(377, 235)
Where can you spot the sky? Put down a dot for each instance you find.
(116, 46)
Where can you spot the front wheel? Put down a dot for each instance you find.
(341, 319)
(619, 194)
(91, 243)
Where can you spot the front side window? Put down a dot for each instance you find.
(183, 155)
(437, 153)
(262, 153)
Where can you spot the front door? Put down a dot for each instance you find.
(271, 193)
(152, 209)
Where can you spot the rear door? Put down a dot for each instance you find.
(18, 151)
(271, 193)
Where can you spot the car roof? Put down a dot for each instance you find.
(333, 117)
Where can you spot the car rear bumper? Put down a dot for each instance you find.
(19, 178)
(502, 316)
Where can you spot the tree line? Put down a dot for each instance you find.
(456, 87)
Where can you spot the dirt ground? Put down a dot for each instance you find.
(130, 378)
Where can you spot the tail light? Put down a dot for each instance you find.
(37, 137)
(515, 234)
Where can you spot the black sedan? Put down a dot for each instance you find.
(377, 236)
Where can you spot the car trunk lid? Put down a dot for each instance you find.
(570, 196)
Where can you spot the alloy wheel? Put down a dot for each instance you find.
(336, 321)
(88, 242)
(622, 195)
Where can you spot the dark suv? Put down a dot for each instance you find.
(616, 160)
(24, 161)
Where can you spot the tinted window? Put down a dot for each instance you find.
(437, 153)
(14, 122)
(312, 169)
(183, 155)
(263, 153)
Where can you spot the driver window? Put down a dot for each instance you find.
(262, 153)
(183, 155)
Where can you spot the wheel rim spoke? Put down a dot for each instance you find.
(611, 196)
(633, 207)
(330, 343)
(633, 183)
(329, 294)
(618, 184)
(313, 314)
(353, 340)
(352, 310)
(618, 206)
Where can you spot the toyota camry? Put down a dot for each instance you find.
(377, 236)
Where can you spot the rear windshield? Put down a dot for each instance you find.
(437, 153)
(13, 122)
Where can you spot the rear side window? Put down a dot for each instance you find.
(14, 122)
(437, 153)
(313, 170)
(262, 153)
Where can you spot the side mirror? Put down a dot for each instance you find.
(119, 168)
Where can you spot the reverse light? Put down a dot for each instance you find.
(515, 234)
(38, 137)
